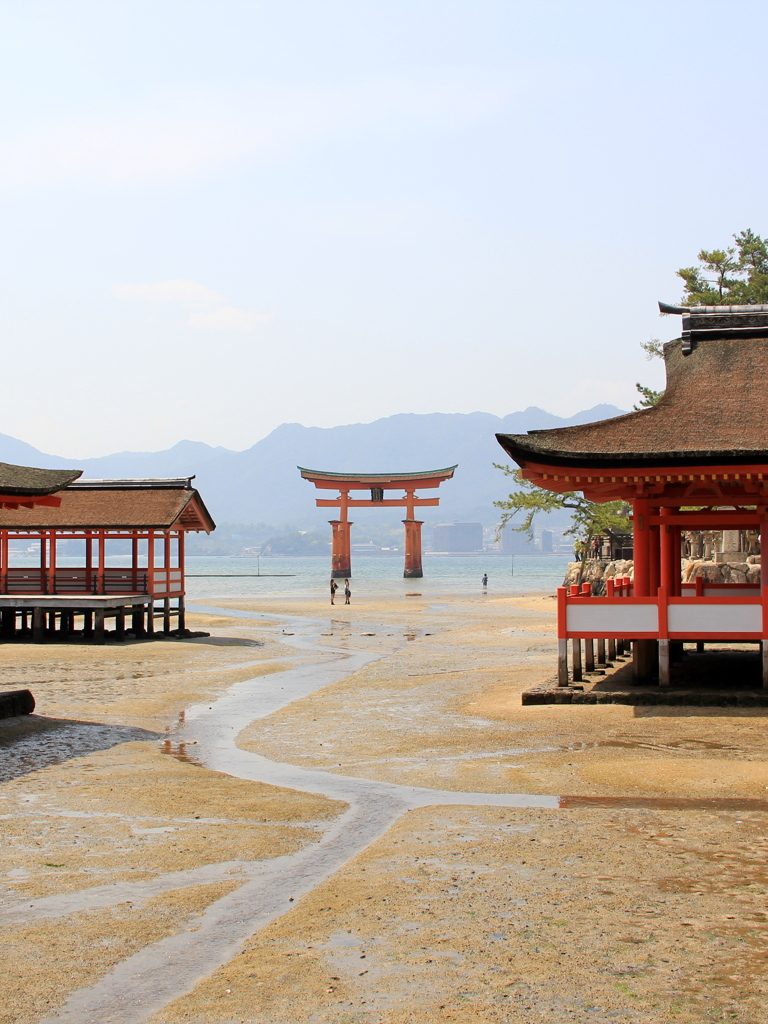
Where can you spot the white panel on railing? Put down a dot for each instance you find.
(715, 618)
(620, 620)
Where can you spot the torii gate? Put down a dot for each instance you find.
(377, 483)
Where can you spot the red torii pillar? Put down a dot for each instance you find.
(341, 546)
(413, 527)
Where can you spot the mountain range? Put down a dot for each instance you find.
(262, 483)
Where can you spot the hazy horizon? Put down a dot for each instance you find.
(356, 423)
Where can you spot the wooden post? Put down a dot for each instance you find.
(98, 631)
(8, 622)
(611, 649)
(120, 622)
(664, 674)
(38, 625)
(562, 662)
(150, 617)
(137, 620)
(601, 651)
(182, 618)
(88, 624)
(577, 673)
(589, 655)
(644, 657)
(167, 615)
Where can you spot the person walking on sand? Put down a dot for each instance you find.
(347, 592)
(334, 588)
(485, 580)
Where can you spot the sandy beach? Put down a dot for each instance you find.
(310, 816)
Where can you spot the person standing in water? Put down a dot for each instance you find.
(485, 580)
(334, 588)
(347, 592)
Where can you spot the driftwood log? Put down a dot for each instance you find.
(16, 702)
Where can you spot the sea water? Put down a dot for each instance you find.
(234, 576)
(227, 576)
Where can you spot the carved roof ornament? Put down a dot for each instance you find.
(702, 322)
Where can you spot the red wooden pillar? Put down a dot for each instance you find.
(88, 561)
(644, 655)
(102, 559)
(676, 555)
(181, 600)
(562, 636)
(642, 547)
(134, 561)
(341, 560)
(670, 554)
(4, 560)
(764, 596)
(43, 562)
(151, 582)
(52, 563)
(654, 555)
(412, 549)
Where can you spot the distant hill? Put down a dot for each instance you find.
(262, 484)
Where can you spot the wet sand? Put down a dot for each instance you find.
(586, 913)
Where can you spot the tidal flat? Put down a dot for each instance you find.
(345, 814)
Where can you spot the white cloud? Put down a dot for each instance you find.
(207, 309)
(227, 318)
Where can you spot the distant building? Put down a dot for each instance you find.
(458, 537)
(547, 539)
(515, 543)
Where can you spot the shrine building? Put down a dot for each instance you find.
(90, 550)
(696, 461)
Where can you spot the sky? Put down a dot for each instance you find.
(221, 216)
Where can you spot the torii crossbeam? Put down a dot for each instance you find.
(377, 484)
